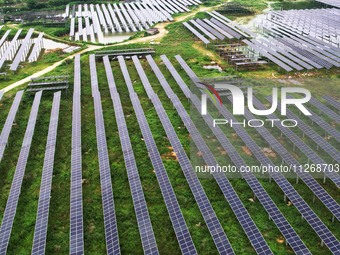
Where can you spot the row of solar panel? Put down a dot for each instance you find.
(17, 50)
(143, 218)
(258, 242)
(13, 197)
(218, 27)
(76, 197)
(181, 230)
(334, 3)
(318, 23)
(128, 17)
(319, 227)
(220, 239)
(298, 198)
(254, 235)
(289, 45)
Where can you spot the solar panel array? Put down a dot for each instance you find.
(40, 231)
(322, 24)
(319, 140)
(143, 219)
(334, 3)
(13, 198)
(23, 51)
(332, 101)
(3, 39)
(76, 202)
(314, 186)
(17, 50)
(123, 17)
(10, 49)
(323, 124)
(110, 221)
(220, 239)
(6, 130)
(38, 45)
(230, 194)
(196, 33)
(181, 230)
(299, 39)
(218, 27)
(319, 227)
(325, 109)
(274, 213)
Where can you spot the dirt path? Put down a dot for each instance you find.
(162, 33)
(46, 70)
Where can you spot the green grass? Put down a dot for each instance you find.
(178, 41)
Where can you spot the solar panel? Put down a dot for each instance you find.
(230, 194)
(276, 55)
(210, 29)
(181, 230)
(140, 206)
(217, 28)
(137, 19)
(303, 60)
(332, 102)
(226, 28)
(273, 45)
(220, 239)
(72, 29)
(10, 49)
(205, 31)
(76, 201)
(269, 56)
(95, 20)
(142, 16)
(107, 17)
(238, 28)
(38, 44)
(180, 6)
(40, 231)
(79, 10)
(323, 124)
(196, 33)
(80, 26)
(67, 10)
(325, 60)
(4, 37)
(330, 2)
(87, 26)
(174, 9)
(9, 122)
(121, 19)
(101, 17)
(13, 198)
(320, 141)
(319, 227)
(23, 51)
(325, 109)
(317, 189)
(313, 220)
(1, 94)
(55, 88)
(303, 51)
(127, 18)
(163, 6)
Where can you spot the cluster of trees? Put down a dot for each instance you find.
(10, 6)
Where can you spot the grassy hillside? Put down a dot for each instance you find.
(177, 41)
